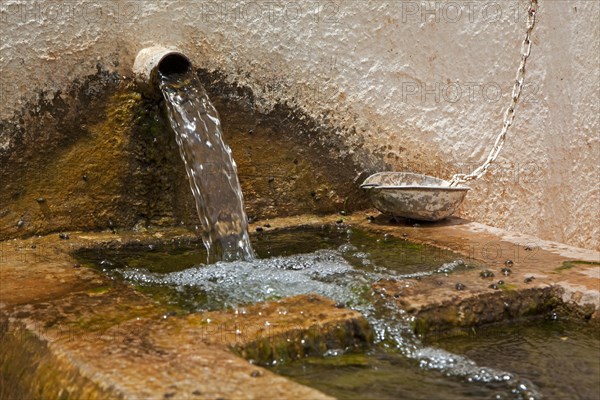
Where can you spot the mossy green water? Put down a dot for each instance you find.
(562, 358)
(368, 252)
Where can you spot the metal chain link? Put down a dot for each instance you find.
(509, 115)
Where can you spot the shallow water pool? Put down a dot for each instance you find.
(561, 359)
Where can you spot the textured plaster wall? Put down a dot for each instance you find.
(420, 85)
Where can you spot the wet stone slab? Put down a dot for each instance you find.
(523, 276)
(116, 344)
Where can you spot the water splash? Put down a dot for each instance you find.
(210, 167)
(329, 273)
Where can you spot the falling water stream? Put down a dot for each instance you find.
(210, 168)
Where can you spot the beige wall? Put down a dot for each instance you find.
(381, 71)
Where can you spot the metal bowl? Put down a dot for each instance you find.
(416, 196)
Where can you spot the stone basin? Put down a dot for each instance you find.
(70, 332)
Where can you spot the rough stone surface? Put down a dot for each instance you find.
(536, 276)
(415, 89)
(107, 159)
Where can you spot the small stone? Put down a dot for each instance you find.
(460, 286)
(416, 225)
(418, 278)
(197, 392)
(342, 212)
(251, 219)
(151, 247)
(530, 279)
(259, 229)
(339, 221)
(313, 193)
(63, 236)
(397, 295)
(387, 237)
(404, 235)
(267, 225)
(508, 263)
(340, 305)
(506, 271)
(370, 218)
(33, 246)
(77, 266)
(20, 224)
(486, 274)
(493, 286)
(85, 178)
(500, 282)
(256, 373)
(40, 200)
(527, 248)
(168, 395)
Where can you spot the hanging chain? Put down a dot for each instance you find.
(509, 115)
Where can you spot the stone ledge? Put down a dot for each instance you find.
(151, 355)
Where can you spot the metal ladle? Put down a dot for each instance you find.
(424, 197)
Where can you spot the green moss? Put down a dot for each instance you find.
(98, 291)
(507, 287)
(574, 263)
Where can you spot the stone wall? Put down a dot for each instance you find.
(405, 85)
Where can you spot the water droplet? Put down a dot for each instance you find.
(486, 274)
